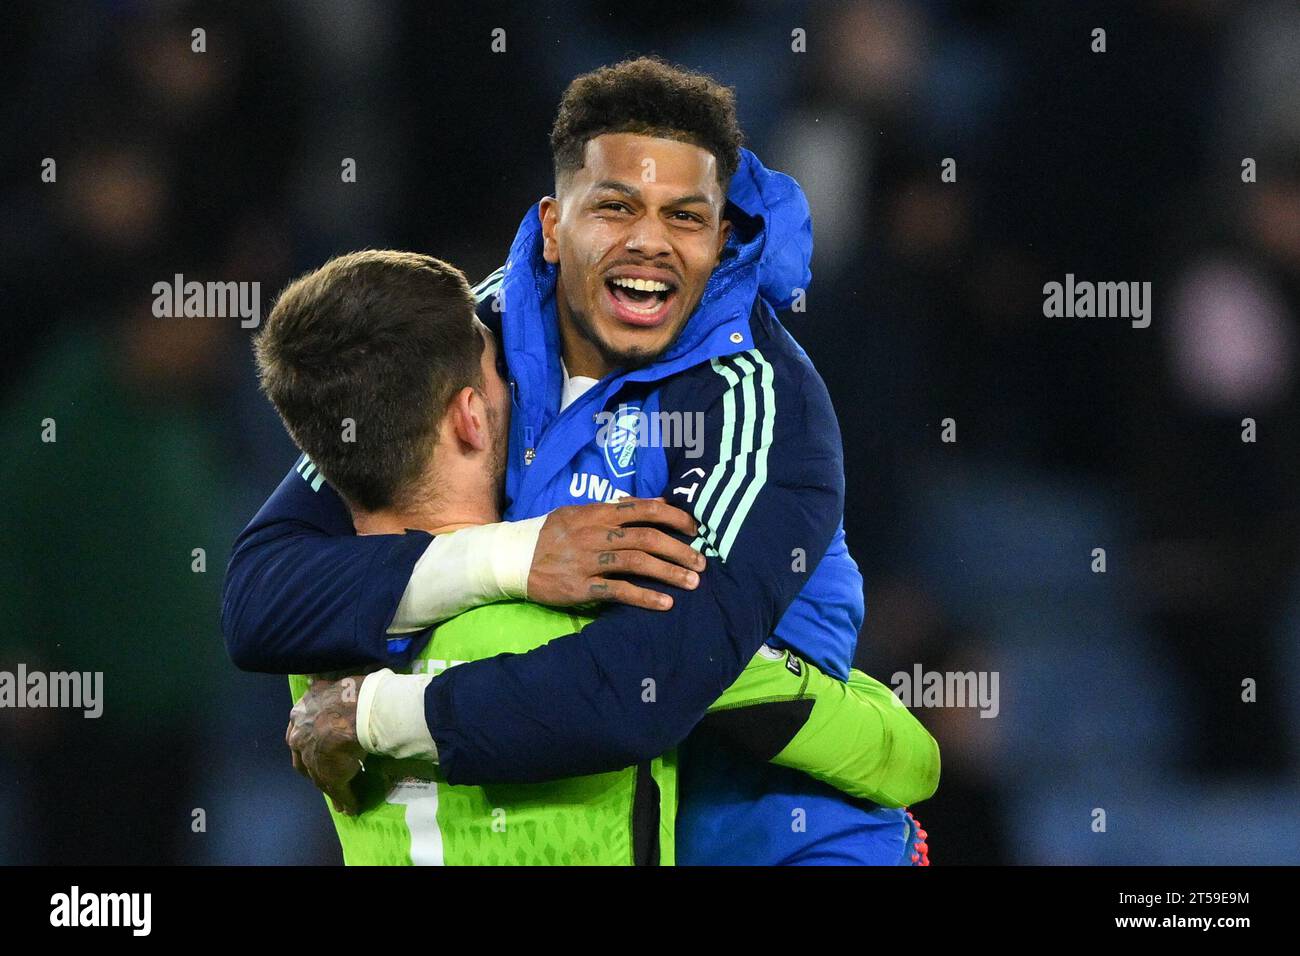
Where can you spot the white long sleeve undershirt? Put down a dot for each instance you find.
(468, 568)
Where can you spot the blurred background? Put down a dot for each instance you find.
(1119, 690)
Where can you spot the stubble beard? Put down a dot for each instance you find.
(629, 360)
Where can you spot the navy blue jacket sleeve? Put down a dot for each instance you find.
(766, 486)
(304, 594)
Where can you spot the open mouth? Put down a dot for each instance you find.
(640, 301)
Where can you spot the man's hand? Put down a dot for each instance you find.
(322, 736)
(584, 552)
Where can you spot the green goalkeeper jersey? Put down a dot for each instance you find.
(854, 735)
(412, 816)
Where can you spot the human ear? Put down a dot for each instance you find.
(723, 233)
(549, 213)
(468, 413)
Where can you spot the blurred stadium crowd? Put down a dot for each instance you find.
(1120, 691)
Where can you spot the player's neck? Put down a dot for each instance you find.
(457, 502)
(399, 522)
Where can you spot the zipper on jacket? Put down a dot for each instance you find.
(531, 451)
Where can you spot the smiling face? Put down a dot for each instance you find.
(636, 232)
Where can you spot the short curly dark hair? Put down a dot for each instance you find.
(653, 98)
